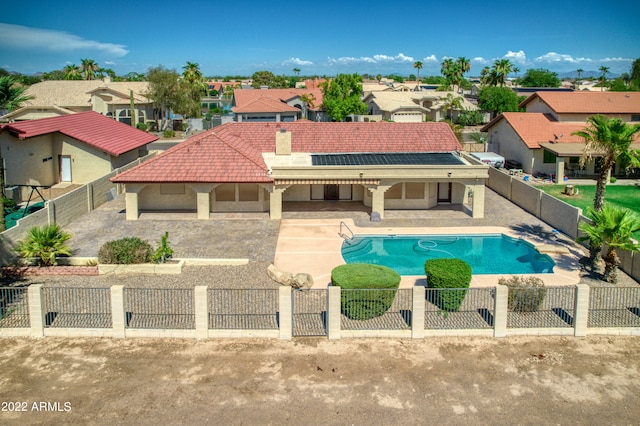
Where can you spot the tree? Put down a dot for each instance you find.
(579, 71)
(540, 77)
(614, 227)
(309, 100)
(45, 243)
(611, 138)
(452, 102)
(418, 66)
(89, 68)
(72, 72)
(191, 89)
(268, 79)
(342, 96)
(498, 99)
(603, 77)
(296, 71)
(11, 94)
(499, 71)
(163, 91)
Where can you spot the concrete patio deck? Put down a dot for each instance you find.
(314, 247)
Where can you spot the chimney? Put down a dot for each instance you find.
(283, 142)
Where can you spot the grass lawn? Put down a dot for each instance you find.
(627, 196)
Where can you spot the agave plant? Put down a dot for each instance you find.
(45, 243)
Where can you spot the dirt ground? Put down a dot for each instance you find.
(517, 380)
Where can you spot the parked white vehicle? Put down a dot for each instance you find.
(490, 158)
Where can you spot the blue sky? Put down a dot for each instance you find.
(324, 38)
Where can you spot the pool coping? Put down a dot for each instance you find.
(314, 246)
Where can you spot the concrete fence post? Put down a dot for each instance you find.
(417, 312)
(90, 196)
(285, 302)
(500, 311)
(35, 310)
(117, 311)
(333, 313)
(581, 318)
(201, 305)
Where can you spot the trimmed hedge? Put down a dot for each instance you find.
(126, 251)
(525, 294)
(367, 290)
(448, 273)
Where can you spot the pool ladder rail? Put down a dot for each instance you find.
(343, 235)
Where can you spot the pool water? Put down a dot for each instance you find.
(487, 254)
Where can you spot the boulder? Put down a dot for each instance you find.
(302, 281)
(281, 277)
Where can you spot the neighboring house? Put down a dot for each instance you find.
(75, 148)
(277, 105)
(61, 97)
(541, 144)
(412, 106)
(260, 167)
(578, 106)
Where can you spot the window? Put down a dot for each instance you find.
(248, 192)
(549, 157)
(394, 193)
(635, 117)
(414, 190)
(226, 192)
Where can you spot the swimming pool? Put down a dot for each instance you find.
(487, 254)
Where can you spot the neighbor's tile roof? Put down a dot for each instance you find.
(589, 102)
(245, 97)
(76, 93)
(264, 104)
(233, 152)
(94, 129)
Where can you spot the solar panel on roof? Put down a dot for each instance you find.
(389, 158)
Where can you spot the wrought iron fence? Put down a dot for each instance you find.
(614, 307)
(162, 308)
(464, 308)
(243, 309)
(544, 307)
(310, 312)
(76, 307)
(376, 309)
(14, 307)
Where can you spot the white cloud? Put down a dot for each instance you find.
(480, 60)
(109, 62)
(13, 36)
(517, 57)
(398, 58)
(431, 58)
(297, 61)
(555, 57)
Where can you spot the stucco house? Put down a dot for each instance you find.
(277, 105)
(259, 167)
(412, 106)
(53, 98)
(541, 139)
(74, 148)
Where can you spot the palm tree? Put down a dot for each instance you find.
(613, 227)
(296, 71)
(604, 70)
(45, 243)
(12, 95)
(485, 75)
(516, 70)
(579, 71)
(72, 72)
(89, 68)
(191, 73)
(309, 103)
(452, 102)
(501, 68)
(418, 66)
(611, 138)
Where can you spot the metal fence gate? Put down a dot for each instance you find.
(310, 312)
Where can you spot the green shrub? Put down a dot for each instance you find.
(125, 251)
(367, 290)
(45, 243)
(168, 133)
(142, 126)
(525, 294)
(613, 179)
(452, 274)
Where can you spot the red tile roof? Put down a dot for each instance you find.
(233, 152)
(589, 102)
(535, 127)
(245, 97)
(92, 128)
(264, 104)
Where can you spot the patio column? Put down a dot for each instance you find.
(203, 196)
(377, 198)
(275, 201)
(559, 169)
(477, 203)
(131, 200)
